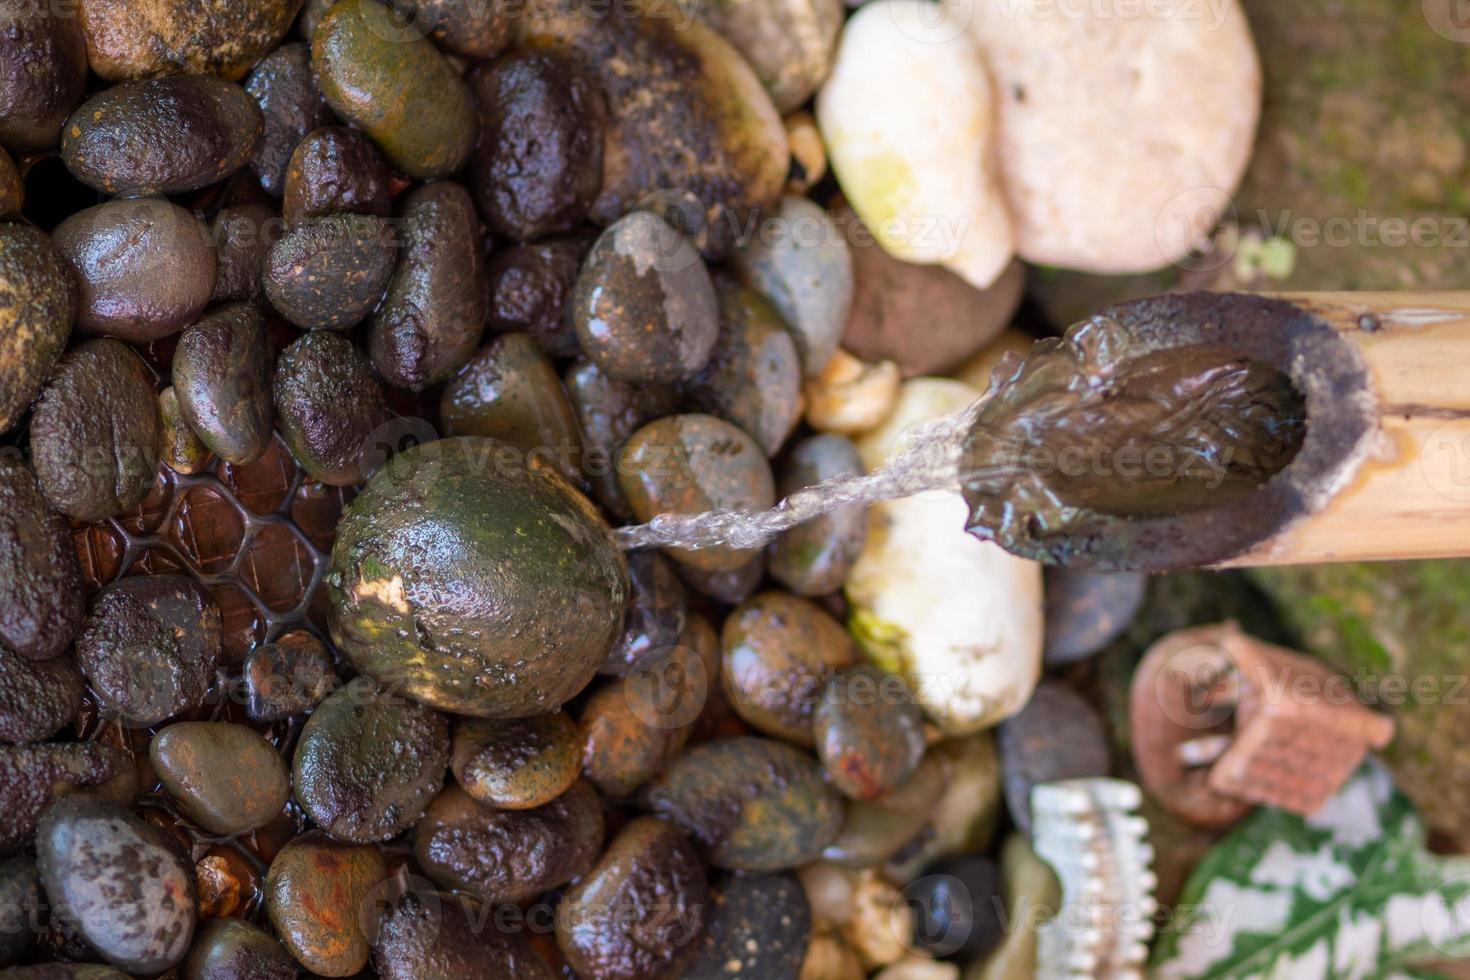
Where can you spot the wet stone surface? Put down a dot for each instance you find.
(335, 169)
(869, 732)
(436, 934)
(758, 927)
(315, 895)
(37, 697)
(515, 763)
(1058, 735)
(31, 776)
(226, 778)
(287, 677)
(41, 604)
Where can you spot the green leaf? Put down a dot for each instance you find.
(1348, 892)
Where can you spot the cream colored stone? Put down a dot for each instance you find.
(829, 957)
(919, 968)
(907, 118)
(1124, 126)
(881, 925)
(851, 396)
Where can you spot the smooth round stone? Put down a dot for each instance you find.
(777, 653)
(232, 949)
(531, 291)
(442, 935)
(150, 646)
(814, 558)
(644, 305)
(145, 268)
(655, 616)
(869, 732)
(957, 907)
(753, 375)
(875, 832)
(685, 111)
(758, 927)
(36, 313)
(43, 73)
(37, 697)
(789, 43)
(1150, 202)
(434, 312)
(290, 103)
(287, 677)
(183, 451)
(394, 84)
(41, 598)
(652, 876)
(755, 804)
(329, 406)
(1087, 611)
(329, 273)
(1058, 735)
(799, 262)
(516, 763)
(31, 776)
(96, 432)
(908, 119)
(691, 464)
(924, 318)
(316, 894)
(473, 28)
(510, 391)
(368, 763)
(243, 235)
(502, 856)
(471, 580)
(222, 378)
(20, 908)
(226, 778)
(161, 136)
(609, 412)
(332, 169)
(538, 167)
(142, 38)
(127, 887)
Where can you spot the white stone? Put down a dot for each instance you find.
(1125, 125)
(908, 121)
(959, 617)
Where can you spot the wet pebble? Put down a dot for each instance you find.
(41, 604)
(433, 314)
(233, 949)
(329, 404)
(291, 105)
(20, 908)
(37, 697)
(32, 776)
(690, 464)
(96, 432)
(222, 378)
(43, 73)
(393, 83)
(316, 894)
(963, 818)
(182, 450)
(36, 315)
(473, 28)
(515, 763)
(127, 887)
(368, 763)
(503, 856)
(226, 778)
(150, 646)
(789, 43)
(145, 268)
(332, 169)
(1058, 735)
(141, 38)
(510, 391)
(754, 804)
(656, 613)
(531, 291)
(243, 235)
(436, 934)
(814, 558)
(329, 273)
(778, 653)
(538, 167)
(956, 907)
(874, 832)
(1087, 611)
(610, 411)
(753, 375)
(799, 262)
(758, 927)
(869, 732)
(287, 677)
(644, 305)
(161, 136)
(651, 875)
